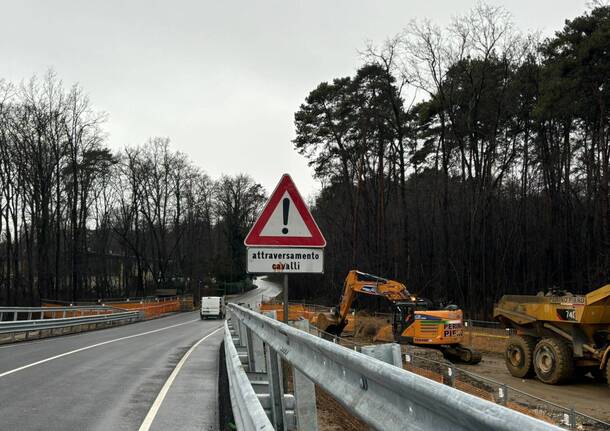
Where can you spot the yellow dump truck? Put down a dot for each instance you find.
(558, 335)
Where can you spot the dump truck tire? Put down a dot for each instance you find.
(553, 361)
(519, 354)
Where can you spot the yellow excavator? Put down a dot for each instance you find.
(414, 322)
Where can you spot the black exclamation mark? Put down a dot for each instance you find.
(286, 204)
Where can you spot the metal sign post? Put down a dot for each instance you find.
(285, 298)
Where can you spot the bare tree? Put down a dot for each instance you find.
(238, 201)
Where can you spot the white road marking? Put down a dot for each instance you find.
(71, 352)
(154, 409)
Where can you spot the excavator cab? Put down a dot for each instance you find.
(404, 316)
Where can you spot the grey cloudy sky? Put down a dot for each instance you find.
(222, 79)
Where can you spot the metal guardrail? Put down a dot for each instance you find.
(247, 409)
(27, 313)
(102, 315)
(384, 396)
(98, 302)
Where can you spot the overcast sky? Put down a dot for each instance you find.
(222, 79)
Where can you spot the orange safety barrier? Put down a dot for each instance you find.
(151, 309)
(295, 311)
(304, 311)
(75, 313)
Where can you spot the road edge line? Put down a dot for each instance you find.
(156, 405)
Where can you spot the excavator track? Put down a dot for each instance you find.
(462, 354)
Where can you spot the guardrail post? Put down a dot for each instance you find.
(503, 394)
(250, 349)
(408, 355)
(257, 354)
(233, 321)
(304, 393)
(451, 375)
(569, 419)
(241, 331)
(305, 398)
(276, 391)
(389, 353)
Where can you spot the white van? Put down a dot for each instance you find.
(212, 306)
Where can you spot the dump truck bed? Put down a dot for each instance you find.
(593, 308)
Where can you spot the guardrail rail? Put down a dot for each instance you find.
(71, 317)
(384, 396)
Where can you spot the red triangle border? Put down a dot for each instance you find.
(254, 238)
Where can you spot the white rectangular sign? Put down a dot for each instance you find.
(268, 260)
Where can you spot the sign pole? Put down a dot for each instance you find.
(286, 298)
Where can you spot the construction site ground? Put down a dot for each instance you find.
(584, 394)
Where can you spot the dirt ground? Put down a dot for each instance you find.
(585, 395)
(333, 417)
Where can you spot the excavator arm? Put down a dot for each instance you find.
(357, 283)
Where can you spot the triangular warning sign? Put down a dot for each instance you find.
(285, 221)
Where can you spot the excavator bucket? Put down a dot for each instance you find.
(329, 322)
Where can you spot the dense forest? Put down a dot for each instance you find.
(467, 161)
(78, 221)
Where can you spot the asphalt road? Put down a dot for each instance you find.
(133, 377)
(109, 386)
(266, 289)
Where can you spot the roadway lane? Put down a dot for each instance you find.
(112, 385)
(266, 289)
(14, 355)
(192, 401)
